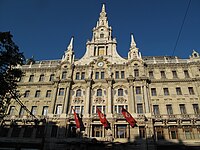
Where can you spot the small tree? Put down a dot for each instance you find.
(10, 57)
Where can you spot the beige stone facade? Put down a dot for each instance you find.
(161, 93)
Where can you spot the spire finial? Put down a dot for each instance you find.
(70, 47)
(133, 44)
(103, 8)
(103, 11)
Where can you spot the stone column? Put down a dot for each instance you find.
(88, 98)
(131, 94)
(146, 102)
(110, 108)
(55, 91)
(66, 100)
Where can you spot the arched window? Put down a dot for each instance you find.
(99, 92)
(78, 93)
(120, 92)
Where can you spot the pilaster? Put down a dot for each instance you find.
(110, 97)
(132, 96)
(66, 100)
(88, 97)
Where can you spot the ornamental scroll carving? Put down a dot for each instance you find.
(77, 100)
(121, 100)
(99, 100)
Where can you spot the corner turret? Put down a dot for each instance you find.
(69, 53)
(133, 51)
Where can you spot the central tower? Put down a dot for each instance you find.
(102, 44)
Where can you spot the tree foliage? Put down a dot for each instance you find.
(10, 57)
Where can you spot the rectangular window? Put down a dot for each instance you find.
(48, 94)
(77, 76)
(166, 91)
(182, 108)
(136, 73)
(116, 74)
(96, 75)
(191, 90)
(174, 74)
(118, 108)
(51, 77)
(178, 91)
(41, 78)
(162, 73)
(45, 110)
(99, 92)
(173, 135)
(97, 131)
(169, 109)
(139, 109)
(78, 93)
(156, 110)
(82, 75)
(186, 73)
(12, 110)
(159, 134)
(102, 75)
(196, 108)
(34, 110)
(59, 109)
(61, 92)
(27, 93)
(77, 109)
(64, 75)
(101, 108)
(31, 78)
(37, 93)
(188, 134)
(101, 49)
(173, 132)
(151, 74)
(121, 131)
(122, 74)
(142, 131)
(138, 90)
(153, 92)
(22, 111)
(120, 92)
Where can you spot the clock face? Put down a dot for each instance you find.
(100, 64)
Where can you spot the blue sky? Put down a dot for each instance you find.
(43, 28)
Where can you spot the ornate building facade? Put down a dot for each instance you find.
(161, 93)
